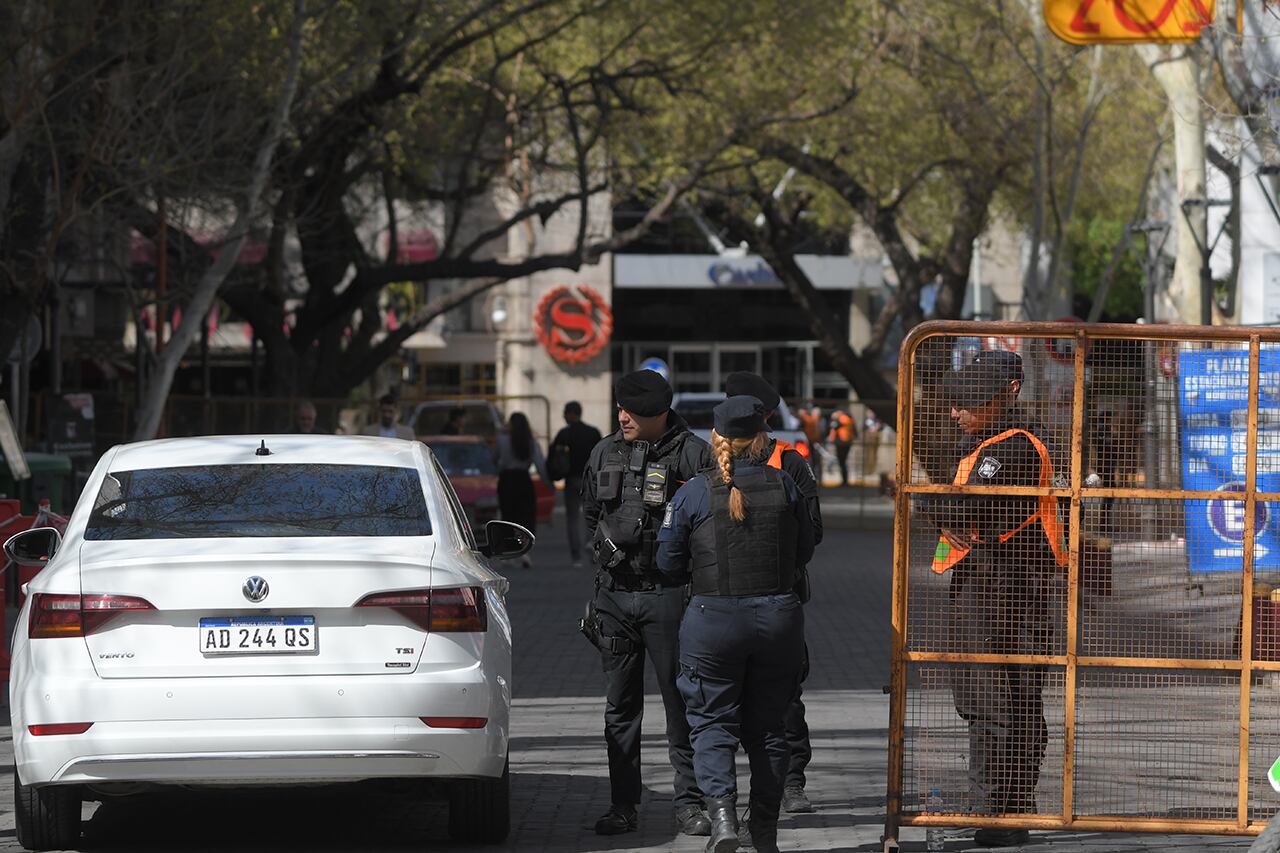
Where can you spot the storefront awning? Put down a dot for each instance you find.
(827, 272)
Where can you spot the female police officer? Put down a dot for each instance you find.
(739, 532)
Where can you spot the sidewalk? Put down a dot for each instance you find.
(860, 507)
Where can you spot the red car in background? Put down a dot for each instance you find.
(468, 463)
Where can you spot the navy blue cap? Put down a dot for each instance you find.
(740, 417)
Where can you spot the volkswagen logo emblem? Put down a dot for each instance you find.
(255, 588)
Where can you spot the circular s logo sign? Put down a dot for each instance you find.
(574, 324)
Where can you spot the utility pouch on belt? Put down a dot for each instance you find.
(802, 585)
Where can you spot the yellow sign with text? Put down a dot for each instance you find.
(1128, 21)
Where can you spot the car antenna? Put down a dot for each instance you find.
(262, 451)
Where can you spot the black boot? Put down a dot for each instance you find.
(724, 825)
(692, 820)
(763, 826)
(619, 819)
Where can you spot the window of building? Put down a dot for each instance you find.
(471, 380)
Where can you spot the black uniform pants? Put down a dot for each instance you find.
(797, 732)
(842, 460)
(651, 621)
(991, 612)
(739, 665)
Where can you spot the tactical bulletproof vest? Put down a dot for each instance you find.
(635, 500)
(756, 556)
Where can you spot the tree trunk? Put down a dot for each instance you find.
(1177, 72)
(207, 289)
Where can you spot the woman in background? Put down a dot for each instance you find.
(516, 452)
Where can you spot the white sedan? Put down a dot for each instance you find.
(245, 611)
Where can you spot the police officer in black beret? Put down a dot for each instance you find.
(739, 533)
(629, 479)
(782, 455)
(1001, 554)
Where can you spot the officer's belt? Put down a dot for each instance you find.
(629, 582)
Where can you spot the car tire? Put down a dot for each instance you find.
(480, 809)
(48, 818)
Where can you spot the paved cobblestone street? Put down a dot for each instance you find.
(559, 777)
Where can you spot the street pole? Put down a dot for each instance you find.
(1206, 250)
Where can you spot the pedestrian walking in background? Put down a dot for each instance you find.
(1001, 553)
(388, 425)
(516, 452)
(811, 422)
(628, 482)
(872, 427)
(739, 534)
(567, 459)
(841, 438)
(304, 419)
(779, 454)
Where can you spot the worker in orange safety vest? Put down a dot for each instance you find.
(841, 437)
(1001, 552)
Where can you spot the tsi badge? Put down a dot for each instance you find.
(255, 588)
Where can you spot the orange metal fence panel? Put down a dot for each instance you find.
(1123, 679)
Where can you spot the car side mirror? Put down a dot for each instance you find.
(33, 547)
(506, 540)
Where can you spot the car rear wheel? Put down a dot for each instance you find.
(48, 818)
(480, 809)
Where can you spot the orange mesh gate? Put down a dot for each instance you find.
(1132, 682)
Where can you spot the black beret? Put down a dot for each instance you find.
(740, 417)
(978, 382)
(644, 393)
(744, 382)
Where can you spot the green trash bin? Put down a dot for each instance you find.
(50, 478)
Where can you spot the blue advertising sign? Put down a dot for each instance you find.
(1213, 399)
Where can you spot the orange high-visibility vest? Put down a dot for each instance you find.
(779, 447)
(809, 419)
(841, 428)
(948, 553)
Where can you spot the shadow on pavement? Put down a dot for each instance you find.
(382, 815)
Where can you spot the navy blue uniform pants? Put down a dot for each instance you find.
(651, 621)
(740, 661)
(797, 732)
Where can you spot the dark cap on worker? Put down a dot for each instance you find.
(644, 393)
(979, 381)
(741, 416)
(752, 385)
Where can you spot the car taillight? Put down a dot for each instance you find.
(455, 722)
(77, 615)
(54, 616)
(413, 604)
(802, 447)
(457, 610)
(42, 729)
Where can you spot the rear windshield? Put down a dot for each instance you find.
(260, 500)
(699, 414)
(465, 460)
